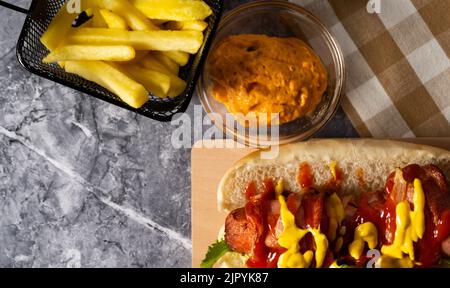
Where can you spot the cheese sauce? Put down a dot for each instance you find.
(262, 74)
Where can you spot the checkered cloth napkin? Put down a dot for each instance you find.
(398, 67)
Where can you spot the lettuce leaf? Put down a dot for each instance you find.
(215, 252)
(444, 262)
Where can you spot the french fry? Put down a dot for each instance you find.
(90, 53)
(176, 10)
(139, 22)
(155, 82)
(113, 20)
(141, 54)
(135, 19)
(151, 63)
(59, 27)
(181, 58)
(97, 20)
(112, 79)
(166, 61)
(129, 63)
(177, 85)
(186, 41)
(197, 25)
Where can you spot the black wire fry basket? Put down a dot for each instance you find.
(30, 52)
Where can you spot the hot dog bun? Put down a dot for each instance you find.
(376, 158)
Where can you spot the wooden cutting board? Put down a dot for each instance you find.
(208, 167)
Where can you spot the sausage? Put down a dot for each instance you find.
(240, 233)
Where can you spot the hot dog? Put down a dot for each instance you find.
(326, 203)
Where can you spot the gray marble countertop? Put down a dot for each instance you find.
(87, 184)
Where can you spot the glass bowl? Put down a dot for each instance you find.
(279, 19)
